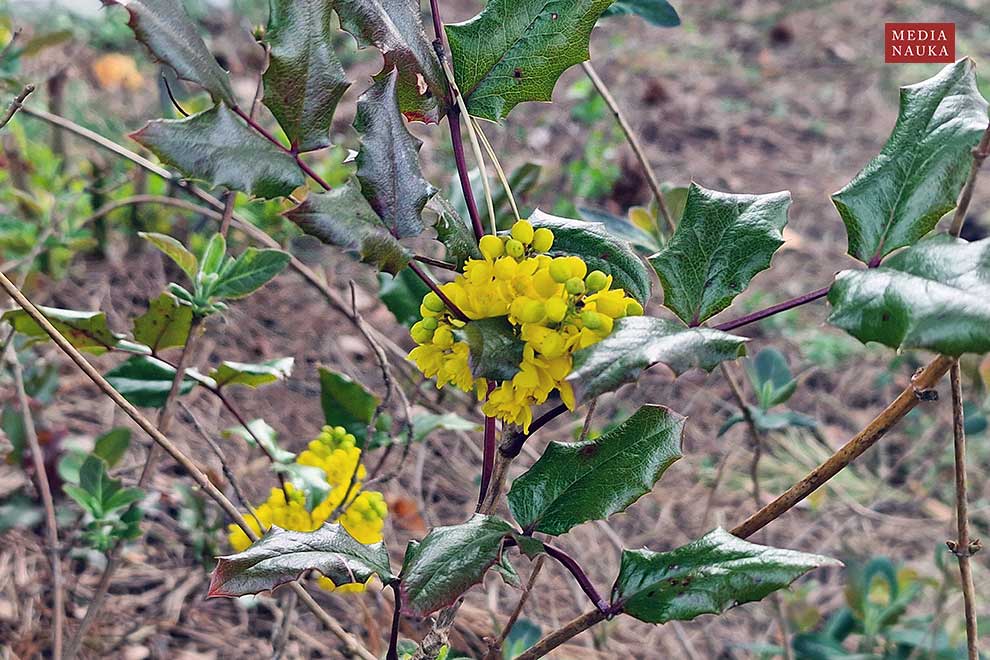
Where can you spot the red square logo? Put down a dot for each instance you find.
(919, 43)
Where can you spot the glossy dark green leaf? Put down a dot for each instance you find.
(168, 32)
(600, 250)
(346, 402)
(343, 217)
(515, 50)
(87, 331)
(454, 232)
(112, 445)
(901, 194)
(622, 228)
(145, 381)
(282, 556)
(721, 242)
(639, 342)
(216, 146)
(166, 324)
(708, 576)
(771, 377)
(175, 251)
(259, 432)
(304, 80)
(657, 12)
(395, 27)
(249, 272)
(252, 375)
(575, 482)
(388, 161)
(933, 295)
(496, 351)
(449, 561)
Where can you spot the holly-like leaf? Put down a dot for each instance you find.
(216, 146)
(657, 12)
(346, 403)
(166, 324)
(600, 250)
(304, 80)
(343, 217)
(515, 50)
(175, 251)
(146, 381)
(252, 375)
(901, 194)
(168, 32)
(496, 351)
(259, 432)
(575, 482)
(395, 27)
(448, 561)
(639, 342)
(934, 295)
(249, 272)
(388, 161)
(282, 556)
(708, 576)
(454, 233)
(721, 242)
(87, 331)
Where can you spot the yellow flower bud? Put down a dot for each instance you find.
(574, 286)
(491, 247)
(542, 239)
(432, 302)
(596, 281)
(560, 270)
(443, 338)
(514, 248)
(420, 333)
(522, 231)
(633, 308)
(556, 309)
(606, 327)
(577, 267)
(592, 320)
(532, 312)
(429, 323)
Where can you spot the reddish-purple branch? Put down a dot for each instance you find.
(488, 459)
(773, 309)
(435, 288)
(271, 138)
(393, 637)
(575, 569)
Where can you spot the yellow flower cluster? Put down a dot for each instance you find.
(335, 452)
(554, 304)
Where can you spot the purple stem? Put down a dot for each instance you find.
(428, 281)
(488, 461)
(575, 569)
(393, 637)
(271, 138)
(773, 309)
(437, 263)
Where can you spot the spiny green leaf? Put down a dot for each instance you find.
(346, 403)
(496, 351)
(657, 12)
(395, 27)
(600, 250)
(145, 381)
(449, 561)
(639, 342)
(259, 432)
(175, 251)
(282, 556)
(454, 233)
(515, 50)
(934, 295)
(575, 482)
(721, 242)
(343, 217)
(901, 194)
(304, 80)
(216, 146)
(168, 32)
(388, 161)
(87, 331)
(252, 375)
(112, 445)
(708, 576)
(166, 324)
(249, 272)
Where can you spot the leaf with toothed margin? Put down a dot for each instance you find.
(448, 561)
(395, 27)
(915, 179)
(388, 161)
(454, 233)
(168, 32)
(216, 146)
(343, 217)
(515, 50)
(87, 331)
(282, 556)
(495, 350)
(709, 576)
(639, 342)
(574, 482)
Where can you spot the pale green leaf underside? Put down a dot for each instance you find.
(252, 375)
(87, 331)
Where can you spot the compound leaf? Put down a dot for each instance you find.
(87, 331)
(166, 324)
(252, 375)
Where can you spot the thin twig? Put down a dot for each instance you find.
(393, 635)
(494, 653)
(773, 309)
(562, 634)
(229, 200)
(755, 436)
(16, 105)
(498, 168)
(980, 154)
(587, 421)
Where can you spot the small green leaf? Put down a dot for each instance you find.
(771, 377)
(934, 295)
(769, 422)
(600, 250)
(168, 32)
(266, 437)
(343, 217)
(252, 375)
(175, 251)
(304, 80)
(94, 480)
(575, 482)
(524, 634)
(216, 146)
(346, 403)
(309, 479)
(213, 255)
(282, 556)
(449, 561)
(87, 331)
(112, 445)
(901, 194)
(515, 50)
(249, 272)
(496, 351)
(454, 233)
(402, 294)
(166, 324)
(146, 381)
(657, 12)
(388, 161)
(427, 423)
(639, 342)
(708, 576)
(721, 242)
